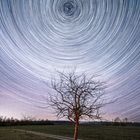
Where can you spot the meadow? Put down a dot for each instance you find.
(11, 134)
(86, 132)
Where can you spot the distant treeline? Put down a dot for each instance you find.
(106, 123)
(4, 121)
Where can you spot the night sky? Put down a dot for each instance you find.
(39, 37)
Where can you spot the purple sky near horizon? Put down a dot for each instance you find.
(39, 37)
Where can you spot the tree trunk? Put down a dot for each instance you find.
(76, 130)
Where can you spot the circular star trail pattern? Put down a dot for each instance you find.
(38, 37)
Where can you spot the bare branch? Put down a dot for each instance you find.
(78, 96)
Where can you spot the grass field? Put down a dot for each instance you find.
(85, 132)
(10, 134)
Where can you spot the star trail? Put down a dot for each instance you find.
(38, 37)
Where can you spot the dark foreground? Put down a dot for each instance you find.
(86, 132)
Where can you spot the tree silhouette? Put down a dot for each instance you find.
(117, 119)
(77, 97)
(125, 120)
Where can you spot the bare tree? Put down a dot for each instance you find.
(117, 119)
(125, 120)
(77, 97)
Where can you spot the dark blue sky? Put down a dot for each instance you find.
(38, 37)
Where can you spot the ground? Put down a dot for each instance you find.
(10, 134)
(85, 132)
